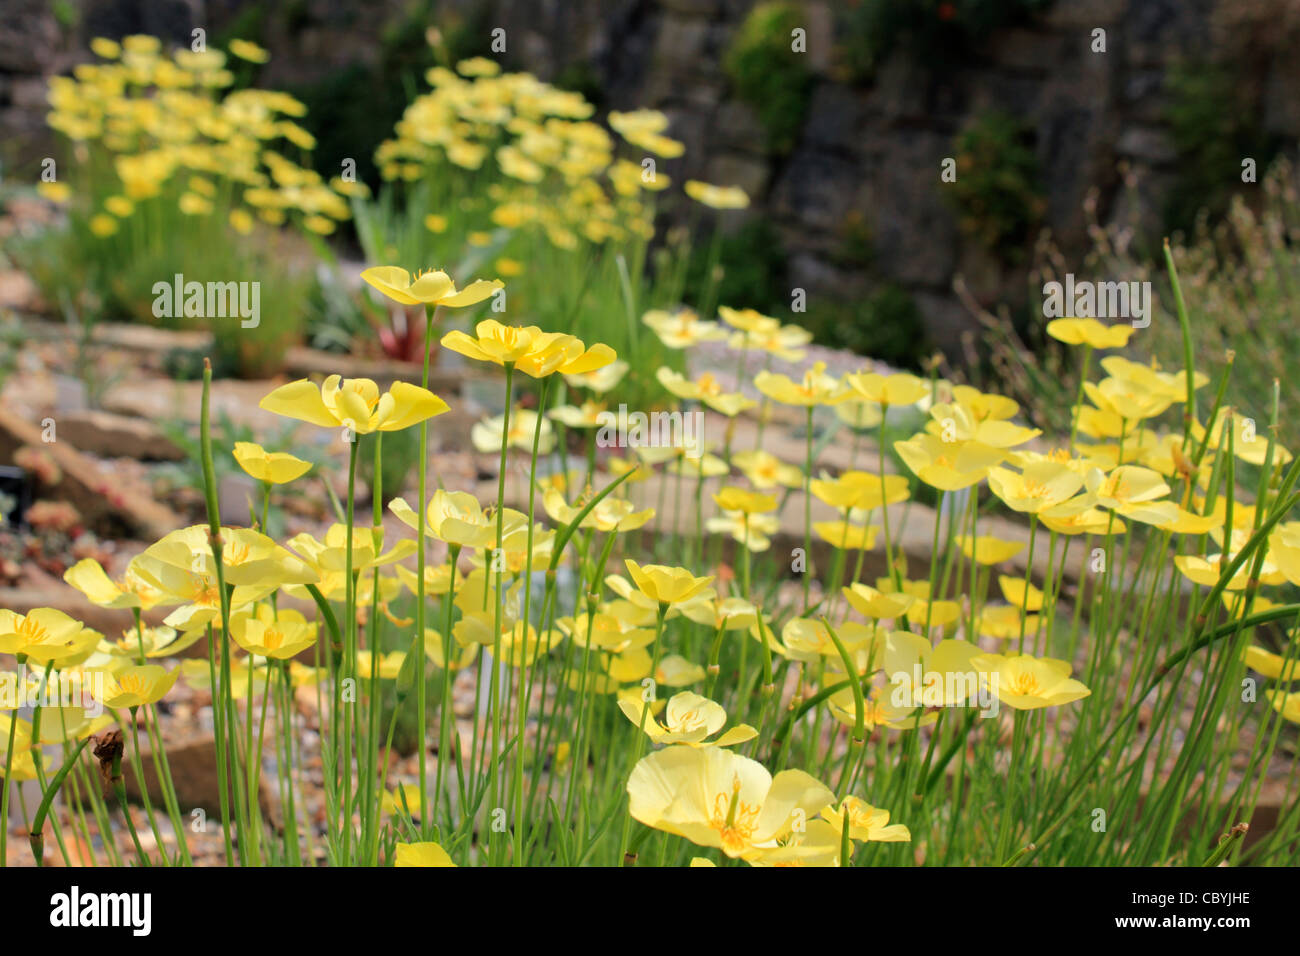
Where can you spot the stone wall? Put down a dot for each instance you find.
(868, 154)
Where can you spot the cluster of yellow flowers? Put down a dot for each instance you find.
(559, 170)
(169, 129)
(892, 655)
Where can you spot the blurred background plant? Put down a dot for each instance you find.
(1241, 282)
(493, 174)
(170, 171)
(929, 30)
(769, 73)
(998, 191)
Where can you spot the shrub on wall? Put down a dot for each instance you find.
(998, 191)
(767, 73)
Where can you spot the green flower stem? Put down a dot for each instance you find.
(218, 725)
(137, 767)
(421, 694)
(161, 765)
(884, 505)
(639, 747)
(230, 717)
(1078, 399)
(285, 709)
(6, 783)
(350, 656)
(370, 803)
(521, 703)
(119, 790)
(446, 717)
(498, 558)
(807, 511)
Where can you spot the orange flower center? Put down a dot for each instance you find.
(32, 632)
(205, 591)
(734, 819)
(1025, 684)
(133, 684)
(708, 385)
(1035, 489)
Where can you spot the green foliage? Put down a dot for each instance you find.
(751, 269)
(351, 110)
(998, 194)
(581, 77)
(768, 74)
(929, 31)
(398, 461)
(1214, 125)
(11, 340)
(886, 326)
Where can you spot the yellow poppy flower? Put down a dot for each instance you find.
(988, 550)
(267, 633)
(886, 390)
(716, 798)
(847, 536)
(683, 328)
(752, 530)
(948, 466)
(922, 675)
(43, 635)
(601, 380)
(871, 603)
(610, 514)
(277, 468)
(1039, 486)
(421, 854)
(1249, 441)
(1090, 332)
(716, 197)
(666, 585)
(957, 424)
(451, 516)
(247, 50)
(1078, 516)
(719, 613)
(862, 490)
(354, 403)
(688, 719)
(1271, 665)
(137, 686)
(589, 414)
(784, 342)
(1002, 622)
(866, 823)
(764, 470)
(748, 320)
(1288, 705)
(487, 435)
(90, 578)
(705, 389)
(1024, 682)
(432, 288)
(748, 502)
(1019, 593)
(816, 388)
